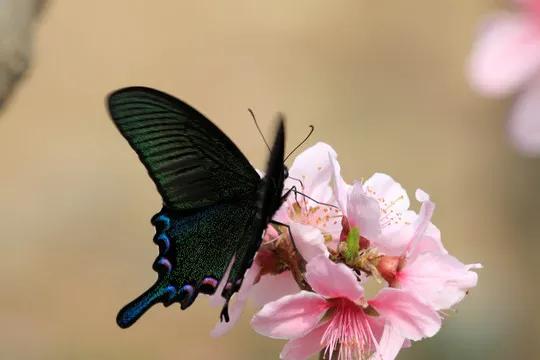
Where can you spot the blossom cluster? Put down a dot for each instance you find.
(310, 276)
(505, 60)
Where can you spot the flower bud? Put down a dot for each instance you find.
(388, 267)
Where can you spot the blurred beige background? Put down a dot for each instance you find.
(382, 81)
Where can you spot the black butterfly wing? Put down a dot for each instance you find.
(195, 248)
(215, 207)
(192, 162)
(269, 199)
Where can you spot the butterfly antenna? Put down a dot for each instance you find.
(312, 128)
(259, 129)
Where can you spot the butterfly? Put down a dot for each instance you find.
(215, 205)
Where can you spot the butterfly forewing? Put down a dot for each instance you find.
(192, 162)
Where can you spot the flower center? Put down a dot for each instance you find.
(319, 216)
(349, 333)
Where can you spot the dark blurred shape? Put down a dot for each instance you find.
(17, 19)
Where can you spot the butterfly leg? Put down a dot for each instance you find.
(296, 193)
(286, 195)
(290, 234)
(300, 181)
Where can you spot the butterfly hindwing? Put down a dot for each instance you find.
(195, 248)
(192, 162)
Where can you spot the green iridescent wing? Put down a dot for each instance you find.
(195, 249)
(192, 162)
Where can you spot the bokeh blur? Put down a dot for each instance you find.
(382, 81)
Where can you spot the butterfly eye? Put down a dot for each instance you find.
(285, 172)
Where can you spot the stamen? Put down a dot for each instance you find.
(349, 333)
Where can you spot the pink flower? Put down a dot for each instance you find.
(413, 257)
(506, 59)
(309, 281)
(425, 268)
(379, 208)
(338, 318)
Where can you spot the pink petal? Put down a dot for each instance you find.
(308, 240)
(384, 186)
(421, 224)
(216, 299)
(505, 55)
(411, 317)
(430, 242)
(313, 168)
(364, 212)
(440, 280)
(282, 214)
(333, 280)
(524, 124)
(395, 243)
(340, 187)
(422, 234)
(272, 287)
(393, 203)
(291, 316)
(417, 233)
(390, 344)
(303, 347)
(236, 307)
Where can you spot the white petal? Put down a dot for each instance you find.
(313, 168)
(340, 187)
(308, 240)
(364, 213)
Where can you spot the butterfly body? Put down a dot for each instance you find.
(216, 206)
